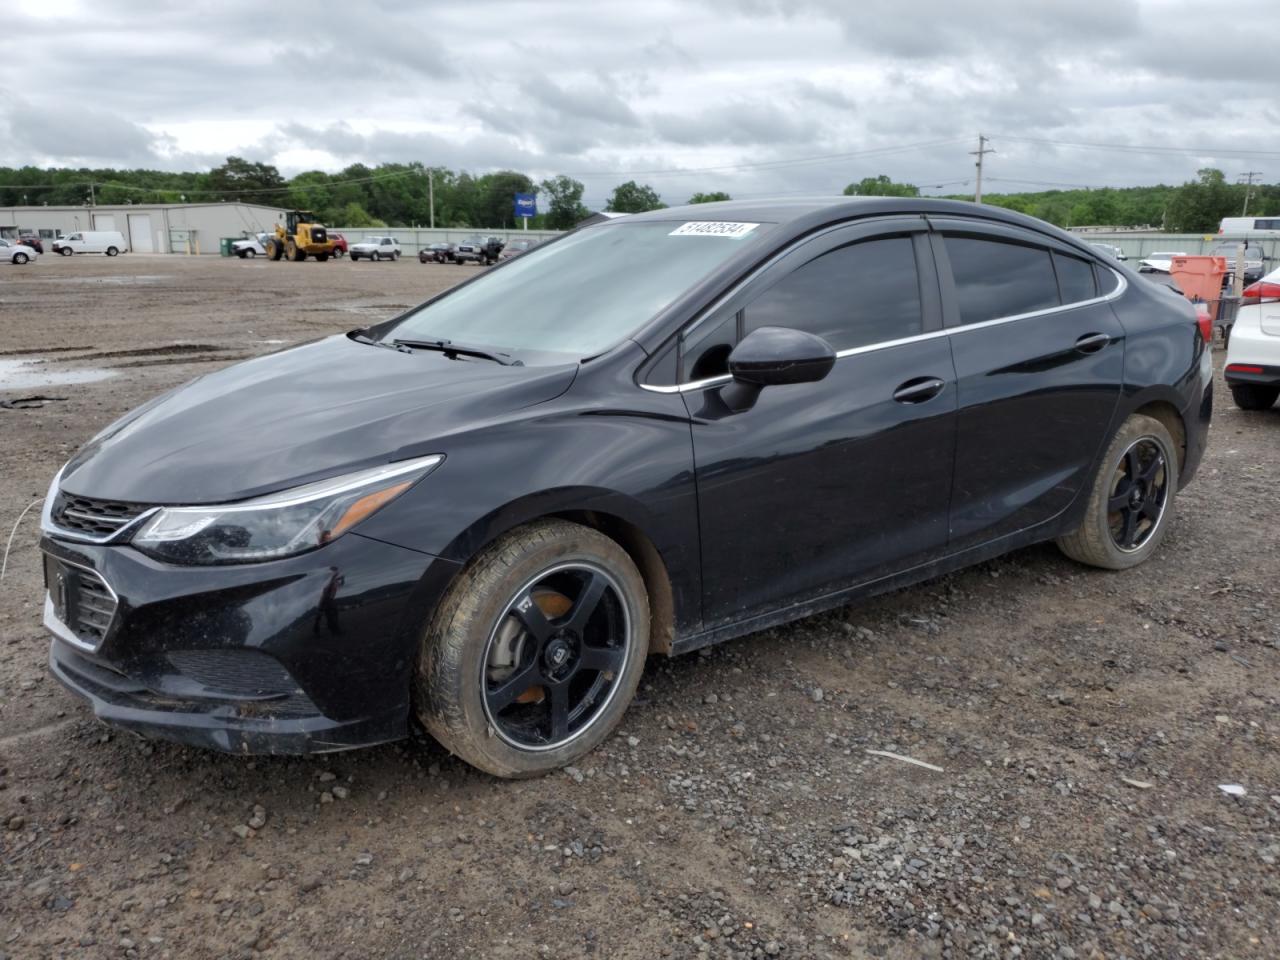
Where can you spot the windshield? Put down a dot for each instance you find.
(581, 294)
(1231, 249)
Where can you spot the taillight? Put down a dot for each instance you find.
(1204, 322)
(1262, 290)
(1243, 368)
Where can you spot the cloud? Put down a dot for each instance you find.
(609, 91)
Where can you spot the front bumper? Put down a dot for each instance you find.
(305, 655)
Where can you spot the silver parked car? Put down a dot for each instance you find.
(16, 252)
(376, 248)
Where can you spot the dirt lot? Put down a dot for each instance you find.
(738, 813)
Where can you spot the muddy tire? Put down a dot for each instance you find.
(550, 619)
(1131, 500)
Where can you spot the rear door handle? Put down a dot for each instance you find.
(1092, 342)
(919, 390)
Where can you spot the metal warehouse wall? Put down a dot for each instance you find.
(1139, 245)
(149, 228)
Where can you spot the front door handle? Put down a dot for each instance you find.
(1092, 342)
(919, 390)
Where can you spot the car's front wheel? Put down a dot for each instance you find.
(1131, 500)
(1253, 396)
(535, 651)
(19, 258)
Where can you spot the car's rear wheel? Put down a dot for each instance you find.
(1254, 396)
(536, 650)
(375, 256)
(112, 251)
(1131, 501)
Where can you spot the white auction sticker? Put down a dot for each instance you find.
(713, 228)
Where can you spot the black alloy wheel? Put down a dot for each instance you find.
(1139, 494)
(553, 658)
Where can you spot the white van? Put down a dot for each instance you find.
(1249, 227)
(109, 242)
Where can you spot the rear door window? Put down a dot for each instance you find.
(998, 278)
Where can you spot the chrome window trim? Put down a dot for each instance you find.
(1121, 286)
(62, 630)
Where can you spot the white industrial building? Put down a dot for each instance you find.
(147, 227)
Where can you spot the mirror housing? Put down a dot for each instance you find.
(775, 356)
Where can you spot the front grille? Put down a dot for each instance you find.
(81, 600)
(95, 518)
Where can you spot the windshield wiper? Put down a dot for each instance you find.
(359, 336)
(448, 347)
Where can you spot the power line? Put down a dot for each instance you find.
(1146, 148)
(772, 164)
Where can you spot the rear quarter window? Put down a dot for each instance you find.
(1075, 278)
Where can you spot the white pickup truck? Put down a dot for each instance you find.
(376, 248)
(252, 247)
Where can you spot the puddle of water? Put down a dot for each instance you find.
(25, 374)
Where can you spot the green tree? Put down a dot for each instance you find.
(631, 197)
(1198, 206)
(564, 207)
(714, 197)
(354, 215)
(252, 182)
(881, 186)
(495, 201)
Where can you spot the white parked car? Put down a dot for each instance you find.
(16, 252)
(1111, 250)
(1159, 261)
(109, 242)
(1253, 352)
(251, 247)
(376, 248)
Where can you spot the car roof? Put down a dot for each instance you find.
(796, 215)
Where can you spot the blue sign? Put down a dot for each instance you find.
(526, 205)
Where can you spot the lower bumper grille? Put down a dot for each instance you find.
(81, 600)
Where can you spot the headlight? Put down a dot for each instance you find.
(279, 524)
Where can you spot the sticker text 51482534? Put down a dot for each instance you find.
(713, 228)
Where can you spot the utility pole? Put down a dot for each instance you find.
(1247, 179)
(982, 151)
(431, 194)
(93, 202)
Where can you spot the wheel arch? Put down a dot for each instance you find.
(617, 516)
(1163, 404)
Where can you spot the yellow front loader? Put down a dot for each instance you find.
(299, 236)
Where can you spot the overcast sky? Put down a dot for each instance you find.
(658, 90)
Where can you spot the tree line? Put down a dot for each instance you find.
(400, 195)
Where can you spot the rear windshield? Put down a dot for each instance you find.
(581, 294)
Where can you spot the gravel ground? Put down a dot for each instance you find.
(1083, 722)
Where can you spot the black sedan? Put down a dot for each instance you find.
(647, 436)
(437, 253)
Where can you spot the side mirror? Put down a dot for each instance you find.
(775, 356)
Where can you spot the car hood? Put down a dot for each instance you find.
(303, 414)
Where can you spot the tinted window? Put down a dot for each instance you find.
(996, 279)
(1075, 278)
(705, 349)
(1267, 225)
(1108, 280)
(857, 295)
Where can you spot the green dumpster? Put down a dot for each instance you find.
(224, 245)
